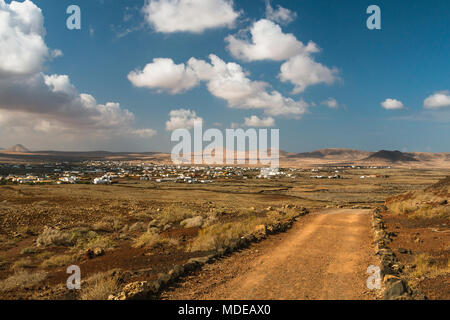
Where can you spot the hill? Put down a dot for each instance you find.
(431, 202)
(332, 153)
(18, 148)
(391, 156)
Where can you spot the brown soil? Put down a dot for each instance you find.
(422, 236)
(324, 256)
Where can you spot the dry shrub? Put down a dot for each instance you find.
(103, 242)
(59, 261)
(218, 236)
(426, 268)
(28, 250)
(108, 224)
(51, 236)
(153, 240)
(221, 235)
(21, 264)
(174, 214)
(22, 280)
(99, 287)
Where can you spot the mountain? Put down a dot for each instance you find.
(18, 148)
(391, 156)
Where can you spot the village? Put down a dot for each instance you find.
(110, 172)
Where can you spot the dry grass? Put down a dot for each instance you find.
(99, 287)
(174, 214)
(108, 224)
(28, 251)
(153, 240)
(221, 235)
(419, 204)
(22, 280)
(51, 236)
(59, 261)
(24, 263)
(426, 268)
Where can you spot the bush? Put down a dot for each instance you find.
(55, 237)
(174, 214)
(59, 261)
(22, 264)
(99, 287)
(28, 250)
(153, 240)
(22, 280)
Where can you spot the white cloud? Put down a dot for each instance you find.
(227, 81)
(280, 15)
(22, 47)
(255, 121)
(189, 15)
(164, 74)
(437, 100)
(392, 104)
(182, 119)
(331, 103)
(303, 71)
(32, 102)
(268, 42)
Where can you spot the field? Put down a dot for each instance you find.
(134, 230)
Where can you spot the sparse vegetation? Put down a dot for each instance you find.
(59, 261)
(28, 251)
(432, 202)
(426, 267)
(99, 287)
(24, 263)
(153, 240)
(22, 280)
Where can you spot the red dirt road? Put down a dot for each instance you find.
(324, 256)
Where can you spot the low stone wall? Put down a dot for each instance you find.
(395, 286)
(141, 290)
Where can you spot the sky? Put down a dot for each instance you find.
(137, 70)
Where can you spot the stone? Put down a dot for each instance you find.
(132, 291)
(395, 290)
(98, 252)
(260, 231)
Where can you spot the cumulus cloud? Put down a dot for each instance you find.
(280, 14)
(255, 121)
(268, 42)
(392, 104)
(189, 15)
(303, 71)
(22, 46)
(164, 74)
(229, 81)
(331, 103)
(182, 119)
(34, 102)
(437, 100)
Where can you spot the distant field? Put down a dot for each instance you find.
(144, 228)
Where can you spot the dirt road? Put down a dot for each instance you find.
(324, 256)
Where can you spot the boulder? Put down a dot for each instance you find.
(133, 291)
(260, 231)
(395, 289)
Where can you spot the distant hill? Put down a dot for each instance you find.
(332, 153)
(18, 148)
(391, 156)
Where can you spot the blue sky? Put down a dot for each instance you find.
(408, 61)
